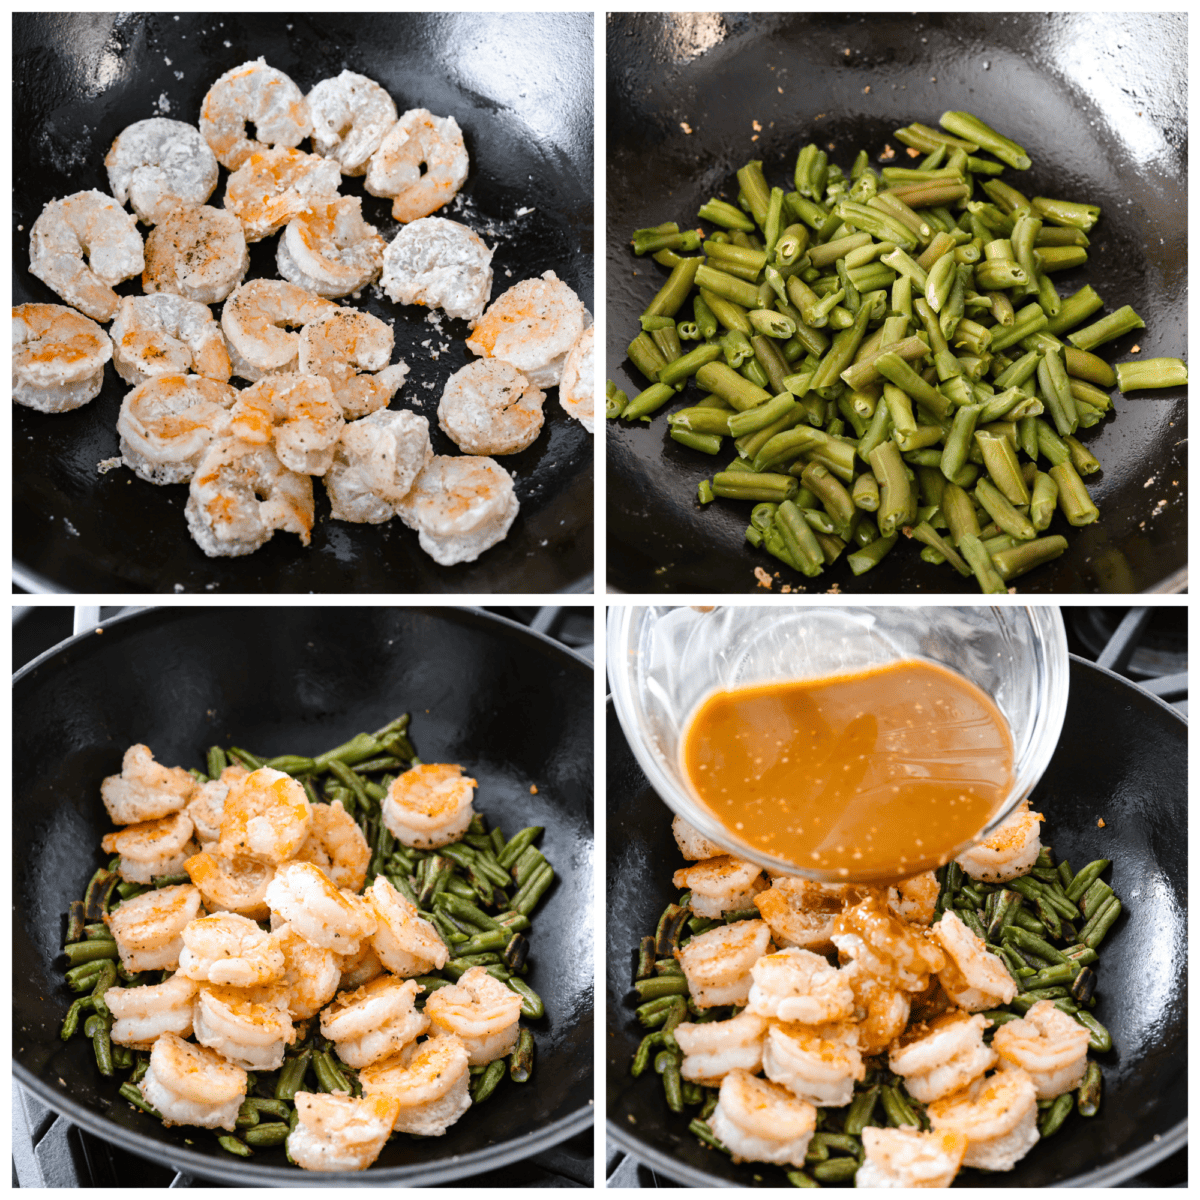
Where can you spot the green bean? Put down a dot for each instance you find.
(646, 1047)
(1073, 499)
(268, 1134)
(1088, 1095)
(1021, 938)
(234, 1146)
(896, 1106)
(1085, 877)
(1124, 320)
(870, 555)
(526, 900)
(520, 1062)
(328, 1073)
(99, 893)
(485, 1084)
(97, 1028)
(532, 1005)
(291, 1077)
(1052, 1119)
(1098, 1037)
(129, 1092)
(661, 986)
(1097, 928)
(862, 1107)
(89, 951)
(458, 907)
(85, 1004)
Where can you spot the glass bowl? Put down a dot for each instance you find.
(664, 661)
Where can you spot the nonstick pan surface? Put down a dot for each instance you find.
(519, 85)
(1100, 102)
(514, 708)
(1122, 757)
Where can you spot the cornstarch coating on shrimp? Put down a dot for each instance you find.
(267, 817)
(715, 1048)
(152, 848)
(944, 1056)
(253, 94)
(721, 885)
(439, 264)
(377, 1020)
(296, 414)
(761, 1121)
(576, 389)
(145, 789)
(207, 806)
(429, 805)
(229, 949)
(974, 978)
(375, 464)
(237, 885)
(336, 844)
(997, 1114)
(311, 975)
(1048, 1045)
(329, 249)
(143, 1014)
(303, 895)
(820, 1065)
(406, 943)
(480, 1011)
(797, 985)
(198, 252)
(272, 187)
(351, 115)
(157, 165)
(717, 963)
(248, 1026)
(339, 1133)
(167, 335)
(489, 407)
(58, 357)
(692, 843)
(1010, 851)
(256, 320)
(353, 350)
(428, 1081)
(801, 912)
(897, 1158)
(148, 929)
(421, 164)
(192, 1085)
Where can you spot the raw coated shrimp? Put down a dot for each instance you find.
(886, 947)
(192, 1085)
(377, 1020)
(375, 465)
(58, 357)
(429, 805)
(421, 163)
(167, 335)
(576, 389)
(478, 1010)
(812, 1065)
(797, 985)
(439, 264)
(998, 1115)
(145, 789)
(915, 900)
(974, 978)
(145, 1013)
(460, 507)
(692, 843)
(157, 165)
(1011, 850)
(336, 844)
(428, 1080)
(272, 187)
(944, 1056)
(358, 968)
(229, 949)
(249, 1027)
(207, 806)
(760, 1121)
(717, 963)
(152, 847)
(254, 321)
(715, 1048)
(303, 895)
(267, 817)
(406, 944)
(255, 94)
(296, 414)
(241, 494)
(1048, 1045)
(343, 343)
(489, 407)
(908, 1158)
(87, 224)
(339, 1133)
(237, 885)
(533, 326)
(721, 885)
(801, 912)
(351, 115)
(329, 248)
(168, 423)
(148, 929)
(311, 975)
(199, 253)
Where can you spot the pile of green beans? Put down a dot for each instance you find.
(478, 893)
(886, 352)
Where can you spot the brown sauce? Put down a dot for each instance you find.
(875, 776)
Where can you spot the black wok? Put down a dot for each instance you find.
(1100, 102)
(512, 707)
(1122, 757)
(519, 84)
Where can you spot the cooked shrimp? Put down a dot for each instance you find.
(296, 414)
(428, 1080)
(145, 789)
(144, 1014)
(440, 264)
(207, 806)
(797, 985)
(715, 1048)
(375, 465)
(406, 944)
(759, 1121)
(148, 929)
(351, 114)
(87, 224)
(267, 817)
(229, 949)
(359, 968)
(345, 342)
(801, 912)
(882, 1011)
(329, 249)
(974, 978)
(421, 163)
(914, 900)
(167, 335)
(811, 1065)
(460, 507)
(241, 494)
(152, 848)
(168, 423)
(478, 1010)
(717, 963)
(489, 407)
(237, 885)
(721, 885)
(998, 1115)
(253, 94)
(339, 1133)
(250, 1027)
(192, 1085)
(272, 187)
(303, 895)
(692, 843)
(58, 357)
(577, 387)
(1010, 851)
(157, 165)
(944, 1056)
(255, 320)
(533, 326)
(429, 805)
(311, 975)
(336, 844)
(1048, 1045)
(377, 1020)
(908, 1158)
(885, 947)
(199, 253)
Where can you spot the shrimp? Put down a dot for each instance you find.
(915, 900)
(254, 320)
(429, 805)
(406, 944)
(460, 507)
(311, 975)
(336, 844)
(167, 424)
(152, 848)
(91, 224)
(267, 817)
(192, 1085)
(886, 947)
(881, 1011)
(533, 326)
(359, 968)
(375, 465)
(943, 1056)
(237, 885)
(296, 414)
(1011, 850)
(229, 949)
(199, 253)
(1048, 1045)
(721, 885)
(158, 165)
(145, 789)
(258, 95)
(428, 1080)
(58, 357)
(144, 1014)
(249, 1027)
(715, 1048)
(797, 985)
(440, 264)
(717, 963)
(998, 1115)
(577, 387)
(351, 115)
(148, 929)
(377, 1020)
(489, 407)
(801, 912)
(908, 1158)
(241, 494)
(272, 187)
(478, 1010)
(329, 249)
(207, 806)
(812, 1065)
(345, 342)
(692, 843)
(974, 978)
(421, 163)
(303, 895)
(759, 1121)
(167, 335)
(339, 1133)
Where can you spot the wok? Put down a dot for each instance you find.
(512, 707)
(1123, 757)
(519, 84)
(1098, 99)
